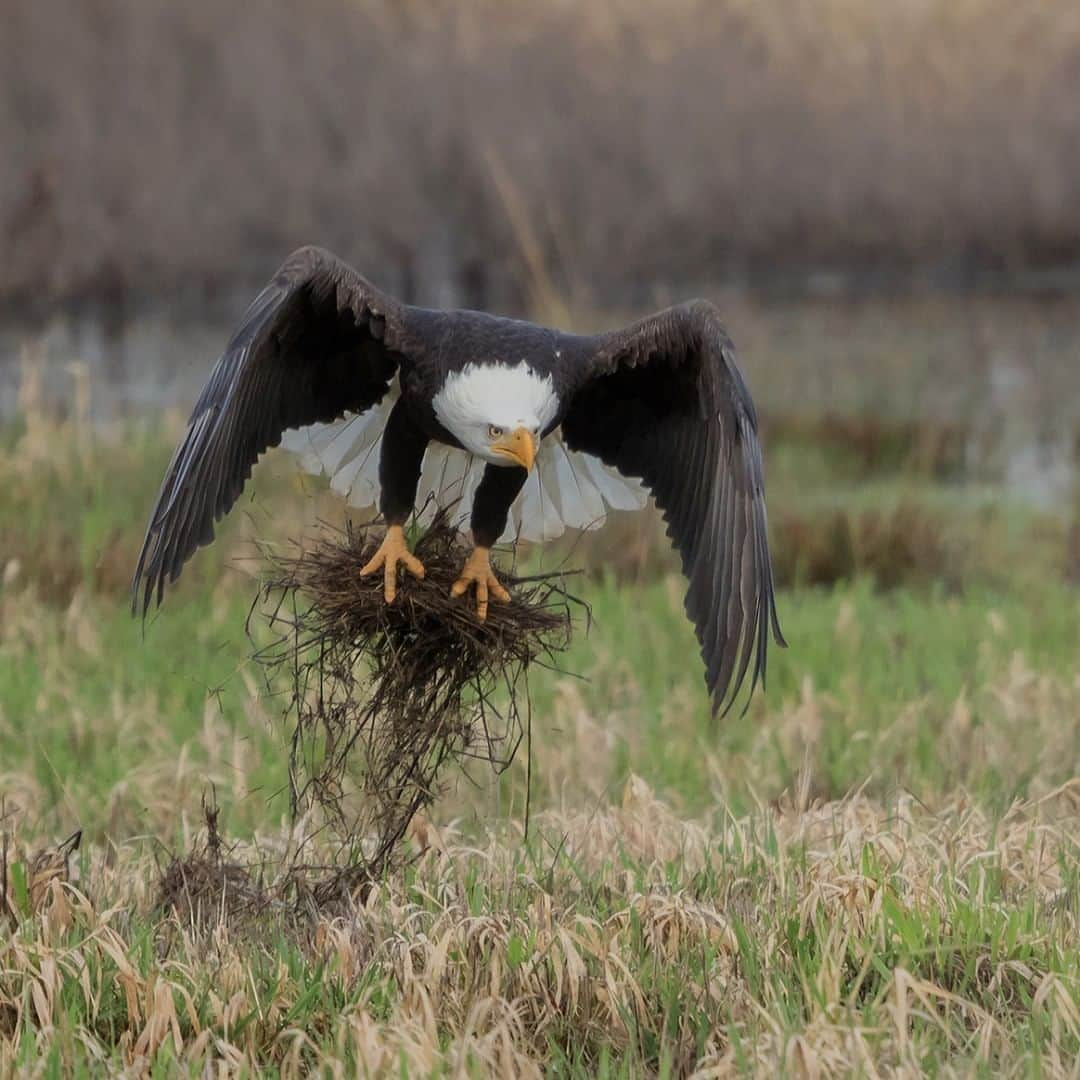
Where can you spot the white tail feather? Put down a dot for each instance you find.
(566, 490)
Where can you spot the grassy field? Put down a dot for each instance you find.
(873, 870)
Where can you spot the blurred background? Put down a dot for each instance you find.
(160, 158)
(883, 199)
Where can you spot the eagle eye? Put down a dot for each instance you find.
(494, 431)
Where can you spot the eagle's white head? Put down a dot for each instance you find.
(498, 412)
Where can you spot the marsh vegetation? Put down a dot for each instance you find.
(874, 867)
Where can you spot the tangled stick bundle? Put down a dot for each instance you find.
(383, 696)
(205, 887)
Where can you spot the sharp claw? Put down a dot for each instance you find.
(391, 554)
(477, 571)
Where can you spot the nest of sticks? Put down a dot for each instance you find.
(382, 697)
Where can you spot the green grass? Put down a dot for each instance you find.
(875, 862)
(884, 671)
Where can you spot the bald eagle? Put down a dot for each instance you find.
(526, 429)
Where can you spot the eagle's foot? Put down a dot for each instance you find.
(392, 551)
(477, 571)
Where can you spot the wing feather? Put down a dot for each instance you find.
(663, 402)
(317, 342)
(619, 492)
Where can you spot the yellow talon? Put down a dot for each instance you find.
(393, 550)
(477, 571)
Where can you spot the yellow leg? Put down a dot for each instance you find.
(393, 550)
(477, 571)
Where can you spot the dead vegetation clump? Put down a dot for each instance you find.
(26, 882)
(911, 544)
(870, 444)
(383, 697)
(205, 887)
(1072, 544)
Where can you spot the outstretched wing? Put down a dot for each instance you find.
(664, 402)
(318, 341)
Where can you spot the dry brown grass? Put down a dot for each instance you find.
(907, 544)
(483, 965)
(501, 153)
(869, 445)
(909, 541)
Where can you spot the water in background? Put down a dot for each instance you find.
(1006, 368)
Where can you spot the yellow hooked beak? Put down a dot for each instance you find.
(519, 446)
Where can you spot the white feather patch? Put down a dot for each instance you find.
(565, 490)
